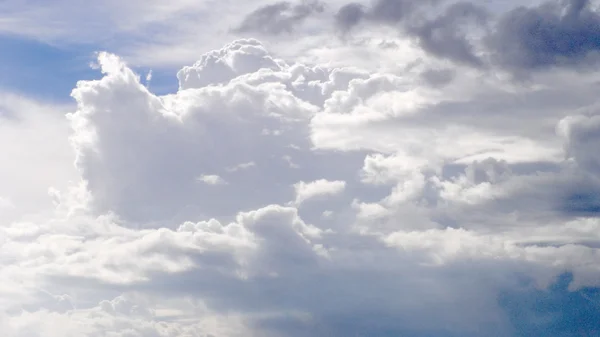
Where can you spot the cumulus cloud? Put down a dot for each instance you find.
(317, 188)
(180, 128)
(355, 202)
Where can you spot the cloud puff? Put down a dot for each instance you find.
(317, 188)
(220, 66)
(211, 179)
(435, 198)
(180, 141)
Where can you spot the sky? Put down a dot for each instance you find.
(202, 168)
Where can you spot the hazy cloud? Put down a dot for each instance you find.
(280, 17)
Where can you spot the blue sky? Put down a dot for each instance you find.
(326, 168)
(49, 72)
(555, 311)
(41, 70)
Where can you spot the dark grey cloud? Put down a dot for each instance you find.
(437, 77)
(349, 16)
(443, 36)
(382, 11)
(393, 11)
(280, 17)
(556, 33)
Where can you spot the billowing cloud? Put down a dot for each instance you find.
(317, 188)
(271, 197)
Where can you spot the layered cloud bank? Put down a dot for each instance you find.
(268, 197)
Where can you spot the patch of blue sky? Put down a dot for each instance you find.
(162, 81)
(49, 72)
(43, 71)
(555, 311)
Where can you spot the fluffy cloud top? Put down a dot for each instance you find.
(317, 188)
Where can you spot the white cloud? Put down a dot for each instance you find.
(242, 166)
(211, 179)
(317, 188)
(151, 164)
(35, 155)
(353, 120)
(439, 195)
(220, 66)
(379, 169)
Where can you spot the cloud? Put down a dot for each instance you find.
(349, 16)
(171, 140)
(384, 11)
(357, 202)
(120, 316)
(186, 130)
(317, 188)
(521, 39)
(36, 155)
(581, 134)
(220, 66)
(242, 166)
(555, 33)
(211, 179)
(494, 34)
(277, 18)
(437, 77)
(442, 36)
(117, 17)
